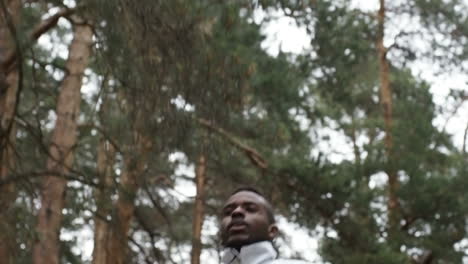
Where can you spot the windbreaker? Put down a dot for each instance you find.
(256, 253)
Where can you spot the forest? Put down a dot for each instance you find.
(125, 125)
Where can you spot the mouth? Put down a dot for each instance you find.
(237, 226)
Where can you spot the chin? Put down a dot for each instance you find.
(238, 241)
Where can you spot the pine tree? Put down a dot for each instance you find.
(46, 249)
(9, 90)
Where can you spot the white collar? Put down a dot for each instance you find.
(255, 253)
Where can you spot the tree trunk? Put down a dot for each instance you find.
(198, 211)
(135, 164)
(8, 101)
(46, 248)
(105, 162)
(386, 102)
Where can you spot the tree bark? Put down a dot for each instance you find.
(386, 103)
(198, 211)
(105, 162)
(46, 248)
(135, 163)
(9, 18)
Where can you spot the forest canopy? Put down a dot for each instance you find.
(110, 111)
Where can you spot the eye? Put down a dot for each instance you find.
(251, 207)
(227, 211)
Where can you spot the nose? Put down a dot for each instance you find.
(238, 212)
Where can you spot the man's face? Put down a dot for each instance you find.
(245, 220)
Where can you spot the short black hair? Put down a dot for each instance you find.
(268, 206)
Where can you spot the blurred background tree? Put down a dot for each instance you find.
(110, 108)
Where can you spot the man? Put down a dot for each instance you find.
(248, 228)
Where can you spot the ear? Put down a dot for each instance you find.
(273, 231)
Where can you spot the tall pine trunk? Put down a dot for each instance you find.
(105, 162)
(386, 103)
(47, 246)
(135, 164)
(9, 17)
(198, 211)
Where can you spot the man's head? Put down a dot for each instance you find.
(247, 217)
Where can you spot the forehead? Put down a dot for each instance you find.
(245, 197)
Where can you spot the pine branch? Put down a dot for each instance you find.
(5, 130)
(157, 254)
(426, 258)
(160, 209)
(72, 176)
(454, 111)
(104, 134)
(39, 30)
(140, 248)
(251, 153)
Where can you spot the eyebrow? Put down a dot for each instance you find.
(243, 203)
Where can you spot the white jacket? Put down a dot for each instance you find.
(257, 253)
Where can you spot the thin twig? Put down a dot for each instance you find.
(464, 139)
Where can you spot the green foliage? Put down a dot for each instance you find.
(162, 66)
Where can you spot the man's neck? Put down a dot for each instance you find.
(252, 253)
(239, 247)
